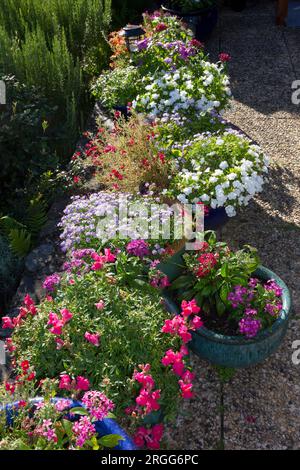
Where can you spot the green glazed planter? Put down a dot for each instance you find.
(236, 351)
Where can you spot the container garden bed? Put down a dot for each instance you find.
(227, 348)
(104, 427)
(202, 21)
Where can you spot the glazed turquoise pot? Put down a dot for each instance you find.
(236, 351)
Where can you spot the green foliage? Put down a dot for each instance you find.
(20, 242)
(25, 146)
(117, 87)
(21, 234)
(210, 284)
(36, 215)
(130, 334)
(52, 48)
(9, 270)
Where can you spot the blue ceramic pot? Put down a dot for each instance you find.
(216, 219)
(202, 22)
(103, 428)
(237, 351)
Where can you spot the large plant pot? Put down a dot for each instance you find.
(202, 22)
(236, 351)
(104, 427)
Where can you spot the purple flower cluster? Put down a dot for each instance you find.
(79, 261)
(97, 404)
(238, 296)
(138, 248)
(101, 218)
(271, 285)
(51, 282)
(254, 303)
(249, 326)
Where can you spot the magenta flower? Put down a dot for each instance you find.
(92, 338)
(249, 326)
(138, 248)
(51, 282)
(97, 404)
(84, 430)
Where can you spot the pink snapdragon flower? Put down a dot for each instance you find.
(149, 438)
(58, 323)
(65, 382)
(92, 338)
(189, 308)
(100, 305)
(82, 383)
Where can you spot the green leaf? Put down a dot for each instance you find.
(111, 440)
(20, 242)
(224, 270)
(79, 411)
(206, 291)
(220, 306)
(181, 281)
(67, 425)
(224, 291)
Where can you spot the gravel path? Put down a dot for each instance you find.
(261, 405)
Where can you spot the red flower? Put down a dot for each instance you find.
(162, 157)
(161, 27)
(224, 57)
(196, 43)
(25, 366)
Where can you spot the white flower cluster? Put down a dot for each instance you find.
(221, 171)
(181, 91)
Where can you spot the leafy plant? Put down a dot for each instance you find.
(125, 158)
(46, 423)
(25, 142)
(223, 169)
(21, 234)
(20, 242)
(117, 87)
(222, 283)
(99, 337)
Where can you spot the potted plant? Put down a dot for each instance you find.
(201, 15)
(222, 170)
(245, 307)
(53, 423)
